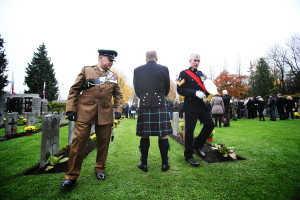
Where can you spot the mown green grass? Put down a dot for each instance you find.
(270, 171)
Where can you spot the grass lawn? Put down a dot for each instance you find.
(271, 169)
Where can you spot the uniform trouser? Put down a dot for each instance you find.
(191, 121)
(79, 144)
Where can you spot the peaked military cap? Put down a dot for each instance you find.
(110, 54)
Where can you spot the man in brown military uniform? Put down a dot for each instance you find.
(89, 102)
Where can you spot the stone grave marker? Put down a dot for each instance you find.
(175, 123)
(62, 117)
(30, 119)
(71, 131)
(11, 124)
(50, 137)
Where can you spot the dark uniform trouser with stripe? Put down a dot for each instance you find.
(191, 120)
(79, 144)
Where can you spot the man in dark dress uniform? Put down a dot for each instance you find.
(152, 84)
(190, 85)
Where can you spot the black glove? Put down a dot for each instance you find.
(72, 116)
(117, 115)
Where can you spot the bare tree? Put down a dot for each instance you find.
(292, 58)
(211, 72)
(277, 56)
(239, 66)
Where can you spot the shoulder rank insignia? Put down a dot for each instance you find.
(180, 82)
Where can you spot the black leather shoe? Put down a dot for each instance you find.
(193, 162)
(100, 175)
(200, 152)
(143, 167)
(67, 184)
(165, 167)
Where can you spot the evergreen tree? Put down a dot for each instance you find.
(263, 82)
(3, 64)
(41, 70)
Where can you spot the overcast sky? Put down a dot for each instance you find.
(223, 32)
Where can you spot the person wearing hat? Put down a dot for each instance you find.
(190, 85)
(260, 106)
(89, 102)
(152, 84)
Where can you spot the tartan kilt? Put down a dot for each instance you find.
(153, 121)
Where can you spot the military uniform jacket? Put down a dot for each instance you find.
(152, 89)
(94, 105)
(187, 87)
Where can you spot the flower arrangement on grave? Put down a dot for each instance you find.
(225, 151)
(94, 138)
(210, 137)
(115, 123)
(30, 129)
(24, 121)
(4, 119)
(119, 121)
(53, 160)
(181, 129)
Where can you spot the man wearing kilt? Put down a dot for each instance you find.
(152, 84)
(191, 86)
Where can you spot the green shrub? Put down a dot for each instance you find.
(58, 107)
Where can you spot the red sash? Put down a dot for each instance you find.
(196, 78)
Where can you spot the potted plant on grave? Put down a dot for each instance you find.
(210, 137)
(30, 130)
(115, 123)
(181, 129)
(24, 121)
(52, 160)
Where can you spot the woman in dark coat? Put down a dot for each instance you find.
(218, 108)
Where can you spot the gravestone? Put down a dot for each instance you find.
(30, 119)
(71, 131)
(93, 129)
(11, 124)
(36, 105)
(62, 117)
(1, 117)
(50, 137)
(175, 123)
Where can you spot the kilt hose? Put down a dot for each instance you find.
(153, 122)
(79, 145)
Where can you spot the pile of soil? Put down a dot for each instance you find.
(211, 156)
(62, 167)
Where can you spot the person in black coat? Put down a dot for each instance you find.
(290, 106)
(272, 105)
(226, 99)
(281, 104)
(251, 108)
(152, 84)
(190, 85)
(170, 108)
(181, 109)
